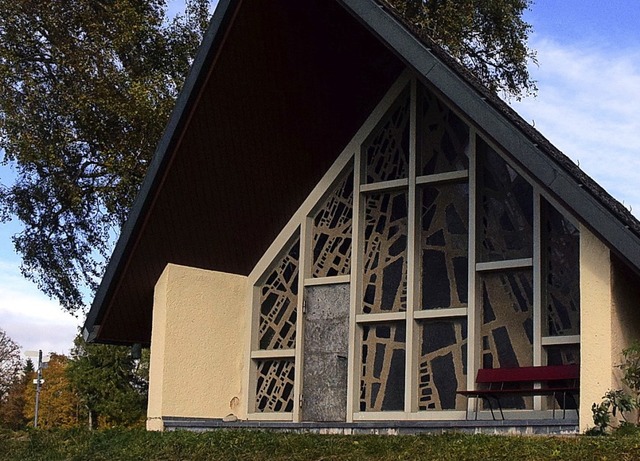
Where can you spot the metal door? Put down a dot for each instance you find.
(326, 334)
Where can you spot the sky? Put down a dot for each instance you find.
(588, 76)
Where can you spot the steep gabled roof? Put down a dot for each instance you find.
(276, 92)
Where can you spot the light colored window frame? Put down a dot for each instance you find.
(301, 225)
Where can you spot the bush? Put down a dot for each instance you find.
(619, 402)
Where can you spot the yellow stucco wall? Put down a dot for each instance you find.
(197, 358)
(596, 370)
(626, 308)
(625, 314)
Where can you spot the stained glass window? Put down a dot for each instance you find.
(387, 149)
(385, 253)
(332, 232)
(444, 243)
(442, 137)
(442, 364)
(562, 274)
(279, 302)
(383, 365)
(274, 386)
(505, 209)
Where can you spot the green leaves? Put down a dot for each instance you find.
(86, 89)
(10, 363)
(107, 382)
(489, 37)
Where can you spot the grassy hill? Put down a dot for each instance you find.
(121, 445)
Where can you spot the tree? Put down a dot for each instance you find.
(12, 408)
(108, 384)
(86, 87)
(489, 37)
(10, 364)
(59, 403)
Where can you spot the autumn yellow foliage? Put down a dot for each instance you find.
(59, 405)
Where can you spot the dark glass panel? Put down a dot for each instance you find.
(332, 232)
(385, 253)
(444, 246)
(507, 323)
(387, 149)
(507, 318)
(442, 364)
(279, 303)
(505, 209)
(274, 386)
(562, 274)
(563, 354)
(383, 367)
(442, 137)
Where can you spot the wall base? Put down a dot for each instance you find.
(567, 426)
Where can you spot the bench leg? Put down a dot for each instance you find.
(500, 407)
(488, 399)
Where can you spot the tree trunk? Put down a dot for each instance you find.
(93, 419)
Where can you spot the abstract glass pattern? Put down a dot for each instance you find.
(274, 386)
(507, 324)
(505, 209)
(563, 354)
(507, 319)
(442, 137)
(279, 302)
(385, 253)
(332, 232)
(387, 148)
(443, 364)
(562, 274)
(383, 365)
(444, 241)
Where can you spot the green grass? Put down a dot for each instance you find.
(125, 445)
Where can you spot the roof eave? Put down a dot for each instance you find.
(213, 37)
(487, 113)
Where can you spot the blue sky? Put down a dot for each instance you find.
(589, 94)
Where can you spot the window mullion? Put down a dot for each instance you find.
(306, 238)
(357, 250)
(474, 347)
(537, 289)
(411, 375)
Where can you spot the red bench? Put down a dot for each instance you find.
(494, 383)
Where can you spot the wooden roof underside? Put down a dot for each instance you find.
(276, 93)
(285, 93)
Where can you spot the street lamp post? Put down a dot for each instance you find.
(38, 381)
(38, 384)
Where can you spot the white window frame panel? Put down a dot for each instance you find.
(535, 263)
(413, 316)
(300, 220)
(301, 224)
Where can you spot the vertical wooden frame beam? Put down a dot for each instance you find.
(412, 340)
(355, 295)
(304, 264)
(537, 288)
(251, 345)
(474, 337)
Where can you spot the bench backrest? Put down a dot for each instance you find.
(528, 374)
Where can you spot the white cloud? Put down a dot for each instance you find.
(587, 106)
(30, 318)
